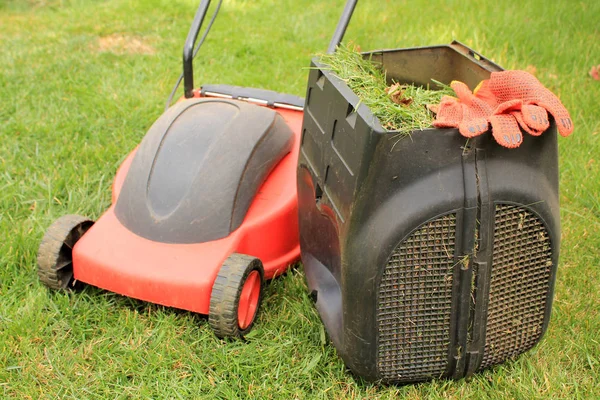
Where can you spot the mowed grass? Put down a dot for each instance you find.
(81, 82)
(399, 107)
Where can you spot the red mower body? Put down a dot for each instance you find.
(112, 257)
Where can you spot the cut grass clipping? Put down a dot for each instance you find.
(399, 107)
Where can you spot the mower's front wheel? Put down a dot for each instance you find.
(236, 296)
(55, 255)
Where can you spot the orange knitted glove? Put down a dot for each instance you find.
(472, 113)
(521, 95)
(516, 98)
(469, 113)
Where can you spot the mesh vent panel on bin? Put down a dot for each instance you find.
(414, 304)
(522, 262)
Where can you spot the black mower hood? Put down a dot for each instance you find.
(198, 169)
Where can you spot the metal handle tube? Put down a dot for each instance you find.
(340, 30)
(188, 48)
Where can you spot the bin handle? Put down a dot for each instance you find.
(475, 56)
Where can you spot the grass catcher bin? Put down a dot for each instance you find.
(427, 255)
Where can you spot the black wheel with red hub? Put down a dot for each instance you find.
(55, 255)
(236, 296)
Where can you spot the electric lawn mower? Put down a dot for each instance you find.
(203, 210)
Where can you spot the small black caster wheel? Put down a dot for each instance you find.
(55, 258)
(236, 296)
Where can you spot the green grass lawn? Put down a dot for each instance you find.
(81, 82)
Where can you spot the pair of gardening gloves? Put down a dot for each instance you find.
(510, 101)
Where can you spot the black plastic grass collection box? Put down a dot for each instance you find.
(428, 255)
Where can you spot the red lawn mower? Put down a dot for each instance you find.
(203, 210)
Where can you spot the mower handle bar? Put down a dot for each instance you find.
(188, 48)
(340, 29)
(190, 41)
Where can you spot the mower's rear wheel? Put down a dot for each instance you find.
(236, 296)
(55, 255)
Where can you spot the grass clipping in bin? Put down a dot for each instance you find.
(399, 107)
